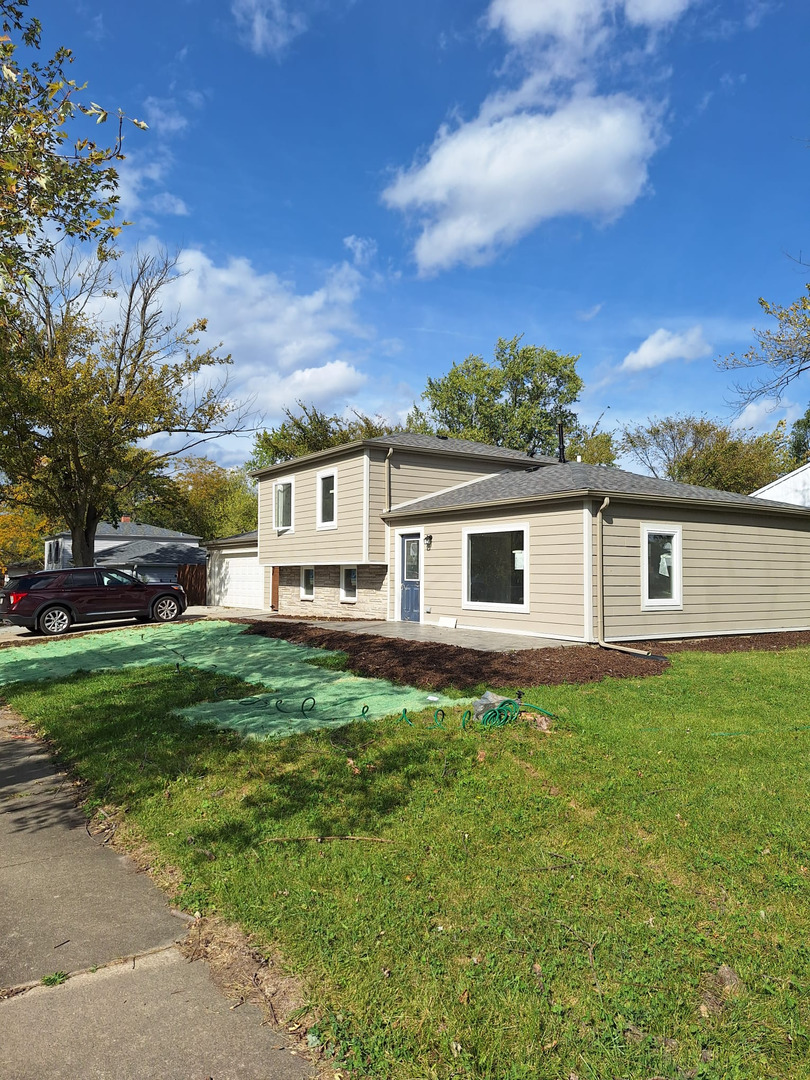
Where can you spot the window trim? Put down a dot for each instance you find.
(676, 532)
(475, 530)
(281, 482)
(303, 595)
(319, 522)
(344, 599)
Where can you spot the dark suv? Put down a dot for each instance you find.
(52, 600)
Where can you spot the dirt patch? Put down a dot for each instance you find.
(433, 666)
(244, 974)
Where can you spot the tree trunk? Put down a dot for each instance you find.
(84, 542)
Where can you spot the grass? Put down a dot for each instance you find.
(548, 904)
(54, 979)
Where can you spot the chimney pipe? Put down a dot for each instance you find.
(561, 443)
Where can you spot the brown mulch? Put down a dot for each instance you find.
(435, 666)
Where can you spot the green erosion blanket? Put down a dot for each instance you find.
(222, 646)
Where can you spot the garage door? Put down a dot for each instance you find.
(235, 580)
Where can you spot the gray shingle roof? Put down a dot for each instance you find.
(131, 530)
(577, 478)
(234, 541)
(407, 440)
(148, 553)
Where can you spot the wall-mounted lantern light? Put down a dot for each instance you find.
(428, 541)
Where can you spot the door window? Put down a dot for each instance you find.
(412, 559)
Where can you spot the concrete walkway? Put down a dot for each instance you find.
(482, 640)
(134, 1007)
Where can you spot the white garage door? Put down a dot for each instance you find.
(235, 579)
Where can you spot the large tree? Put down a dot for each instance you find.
(201, 497)
(706, 452)
(781, 353)
(309, 430)
(516, 401)
(56, 180)
(85, 390)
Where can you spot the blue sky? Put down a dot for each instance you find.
(364, 192)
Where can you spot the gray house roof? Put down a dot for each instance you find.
(131, 530)
(239, 540)
(407, 440)
(576, 478)
(148, 553)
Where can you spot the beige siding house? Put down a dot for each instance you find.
(449, 532)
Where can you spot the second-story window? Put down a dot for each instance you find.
(327, 500)
(283, 516)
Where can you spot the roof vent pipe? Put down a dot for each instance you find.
(561, 444)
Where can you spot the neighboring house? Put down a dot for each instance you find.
(235, 577)
(410, 527)
(151, 561)
(157, 558)
(793, 487)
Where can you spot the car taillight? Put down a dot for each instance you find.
(15, 597)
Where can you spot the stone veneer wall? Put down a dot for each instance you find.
(371, 594)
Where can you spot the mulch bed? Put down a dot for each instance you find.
(433, 666)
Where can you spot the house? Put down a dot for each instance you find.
(153, 552)
(412, 527)
(793, 487)
(321, 523)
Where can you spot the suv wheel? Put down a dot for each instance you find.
(165, 609)
(54, 620)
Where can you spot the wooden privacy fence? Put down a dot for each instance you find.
(193, 579)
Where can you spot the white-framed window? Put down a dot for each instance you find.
(326, 500)
(661, 567)
(348, 584)
(283, 505)
(307, 582)
(495, 567)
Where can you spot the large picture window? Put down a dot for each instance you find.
(327, 500)
(283, 505)
(660, 567)
(495, 569)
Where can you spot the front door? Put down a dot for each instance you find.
(410, 561)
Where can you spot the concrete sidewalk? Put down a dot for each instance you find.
(70, 904)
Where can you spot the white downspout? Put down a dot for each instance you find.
(600, 590)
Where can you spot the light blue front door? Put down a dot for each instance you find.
(410, 585)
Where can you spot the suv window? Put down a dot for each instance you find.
(113, 577)
(81, 578)
(28, 584)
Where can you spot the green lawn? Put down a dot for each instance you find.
(547, 904)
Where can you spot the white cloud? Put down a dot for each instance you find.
(522, 21)
(591, 313)
(363, 249)
(488, 182)
(663, 346)
(163, 116)
(141, 187)
(267, 26)
(285, 344)
(759, 414)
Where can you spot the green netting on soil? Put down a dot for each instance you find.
(222, 646)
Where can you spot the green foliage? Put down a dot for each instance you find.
(54, 181)
(799, 439)
(548, 904)
(80, 396)
(202, 498)
(516, 401)
(698, 450)
(310, 430)
(56, 978)
(594, 447)
(783, 352)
